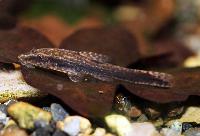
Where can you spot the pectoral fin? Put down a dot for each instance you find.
(75, 77)
(96, 57)
(103, 78)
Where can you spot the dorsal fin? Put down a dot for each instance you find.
(96, 56)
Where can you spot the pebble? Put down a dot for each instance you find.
(99, 132)
(191, 115)
(142, 118)
(13, 131)
(41, 132)
(40, 123)
(46, 130)
(10, 123)
(27, 114)
(3, 118)
(59, 133)
(152, 113)
(158, 123)
(177, 126)
(12, 86)
(109, 134)
(118, 124)
(175, 112)
(74, 125)
(188, 125)
(134, 112)
(169, 132)
(143, 129)
(192, 132)
(3, 108)
(58, 112)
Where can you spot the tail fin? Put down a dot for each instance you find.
(152, 78)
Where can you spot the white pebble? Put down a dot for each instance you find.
(169, 132)
(143, 129)
(75, 125)
(99, 132)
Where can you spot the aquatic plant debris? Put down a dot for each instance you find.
(78, 65)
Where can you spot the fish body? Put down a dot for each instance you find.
(78, 65)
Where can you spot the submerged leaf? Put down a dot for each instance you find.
(116, 42)
(186, 83)
(20, 40)
(93, 99)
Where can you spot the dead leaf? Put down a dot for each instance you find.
(20, 40)
(186, 83)
(89, 99)
(116, 42)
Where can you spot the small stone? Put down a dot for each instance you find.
(192, 132)
(12, 86)
(158, 123)
(177, 126)
(41, 132)
(187, 125)
(27, 114)
(109, 134)
(169, 132)
(10, 123)
(191, 115)
(59, 133)
(3, 108)
(74, 125)
(134, 112)
(152, 113)
(58, 112)
(175, 112)
(40, 123)
(143, 129)
(118, 124)
(99, 132)
(142, 118)
(13, 131)
(3, 118)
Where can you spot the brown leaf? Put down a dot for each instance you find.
(186, 83)
(157, 61)
(179, 51)
(116, 42)
(20, 40)
(89, 99)
(48, 24)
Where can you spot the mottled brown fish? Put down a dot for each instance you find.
(78, 65)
